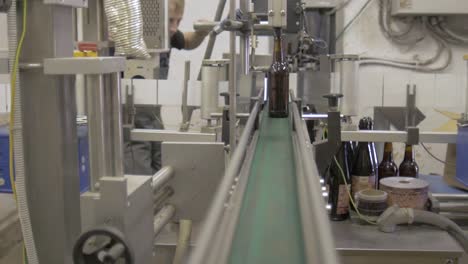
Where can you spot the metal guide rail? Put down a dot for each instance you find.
(268, 208)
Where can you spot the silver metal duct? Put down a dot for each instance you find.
(125, 23)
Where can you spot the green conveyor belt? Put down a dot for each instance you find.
(269, 228)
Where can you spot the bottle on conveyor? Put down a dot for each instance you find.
(278, 81)
(363, 170)
(339, 185)
(409, 167)
(387, 167)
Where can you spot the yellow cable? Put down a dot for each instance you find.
(13, 94)
(12, 104)
(351, 197)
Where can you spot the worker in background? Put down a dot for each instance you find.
(179, 40)
(144, 158)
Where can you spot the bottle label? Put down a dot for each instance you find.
(342, 206)
(360, 183)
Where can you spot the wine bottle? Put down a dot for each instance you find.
(387, 167)
(364, 170)
(339, 185)
(409, 167)
(278, 81)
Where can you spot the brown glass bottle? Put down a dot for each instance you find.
(387, 167)
(278, 81)
(409, 167)
(339, 184)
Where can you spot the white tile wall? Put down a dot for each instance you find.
(170, 92)
(447, 91)
(444, 91)
(3, 33)
(145, 91)
(4, 98)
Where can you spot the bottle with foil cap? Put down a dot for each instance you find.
(409, 167)
(363, 170)
(387, 167)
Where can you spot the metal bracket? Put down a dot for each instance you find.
(320, 4)
(125, 203)
(94, 66)
(413, 136)
(277, 13)
(155, 135)
(71, 3)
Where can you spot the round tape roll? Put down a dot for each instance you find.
(406, 192)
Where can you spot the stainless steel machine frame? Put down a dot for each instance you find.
(49, 132)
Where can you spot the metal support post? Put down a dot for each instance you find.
(113, 124)
(245, 41)
(50, 135)
(410, 106)
(212, 38)
(232, 83)
(105, 128)
(95, 113)
(244, 53)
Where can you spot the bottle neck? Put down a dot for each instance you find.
(409, 153)
(388, 152)
(278, 55)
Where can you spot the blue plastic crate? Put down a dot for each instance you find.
(83, 162)
(462, 155)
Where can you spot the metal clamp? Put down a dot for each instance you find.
(412, 136)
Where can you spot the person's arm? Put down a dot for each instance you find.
(194, 39)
